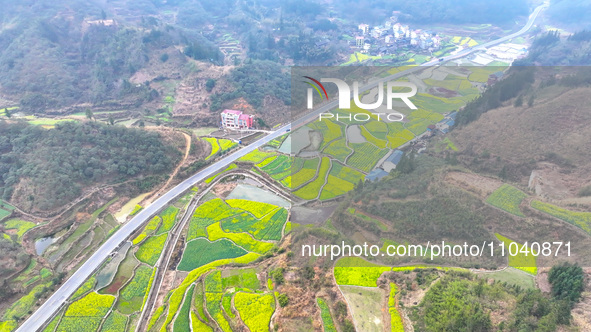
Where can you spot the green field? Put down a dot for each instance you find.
(365, 157)
(395, 318)
(341, 180)
(511, 276)
(193, 256)
(148, 230)
(168, 219)
(507, 198)
(92, 305)
(132, 295)
(311, 190)
(307, 172)
(150, 249)
(329, 130)
(358, 272)
(256, 156)
(579, 219)
(115, 322)
(327, 321)
(255, 310)
(182, 322)
(522, 261)
(338, 149)
(20, 226)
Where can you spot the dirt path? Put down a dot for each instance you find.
(176, 170)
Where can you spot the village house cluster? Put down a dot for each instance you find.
(387, 38)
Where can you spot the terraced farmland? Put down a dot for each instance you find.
(330, 130)
(579, 219)
(341, 180)
(306, 174)
(193, 256)
(366, 156)
(311, 190)
(507, 198)
(520, 260)
(338, 149)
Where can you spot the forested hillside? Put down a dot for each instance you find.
(49, 168)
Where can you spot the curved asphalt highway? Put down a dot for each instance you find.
(55, 302)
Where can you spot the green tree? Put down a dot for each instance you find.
(7, 113)
(283, 300)
(209, 85)
(89, 114)
(111, 120)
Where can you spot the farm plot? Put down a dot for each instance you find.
(358, 272)
(327, 321)
(240, 278)
(206, 214)
(178, 294)
(256, 156)
(148, 230)
(115, 322)
(365, 157)
(255, 310)
(182, 322)
(279, 168)
(395, 318)
(194, 257)
(123, 275)
(306, 174)
(19, 226)
(77, 324)
(419, 120)
(341, 180)
(507, 198)
(398, 135)
(329, 130)
(150, 250)
(380, 143)
(214, 307)
(267, 228)
(257, 209)
(219, 146)
(276, 143)
(5, 209)
(521, 261)
(366, 307)
(579, 219)
(338, 149)
(132, 295)
(85, 288)
(92, 305)
(377, 128)
(312, 189)
(168, 219)
(244, 240)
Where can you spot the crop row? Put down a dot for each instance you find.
(366, 155)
